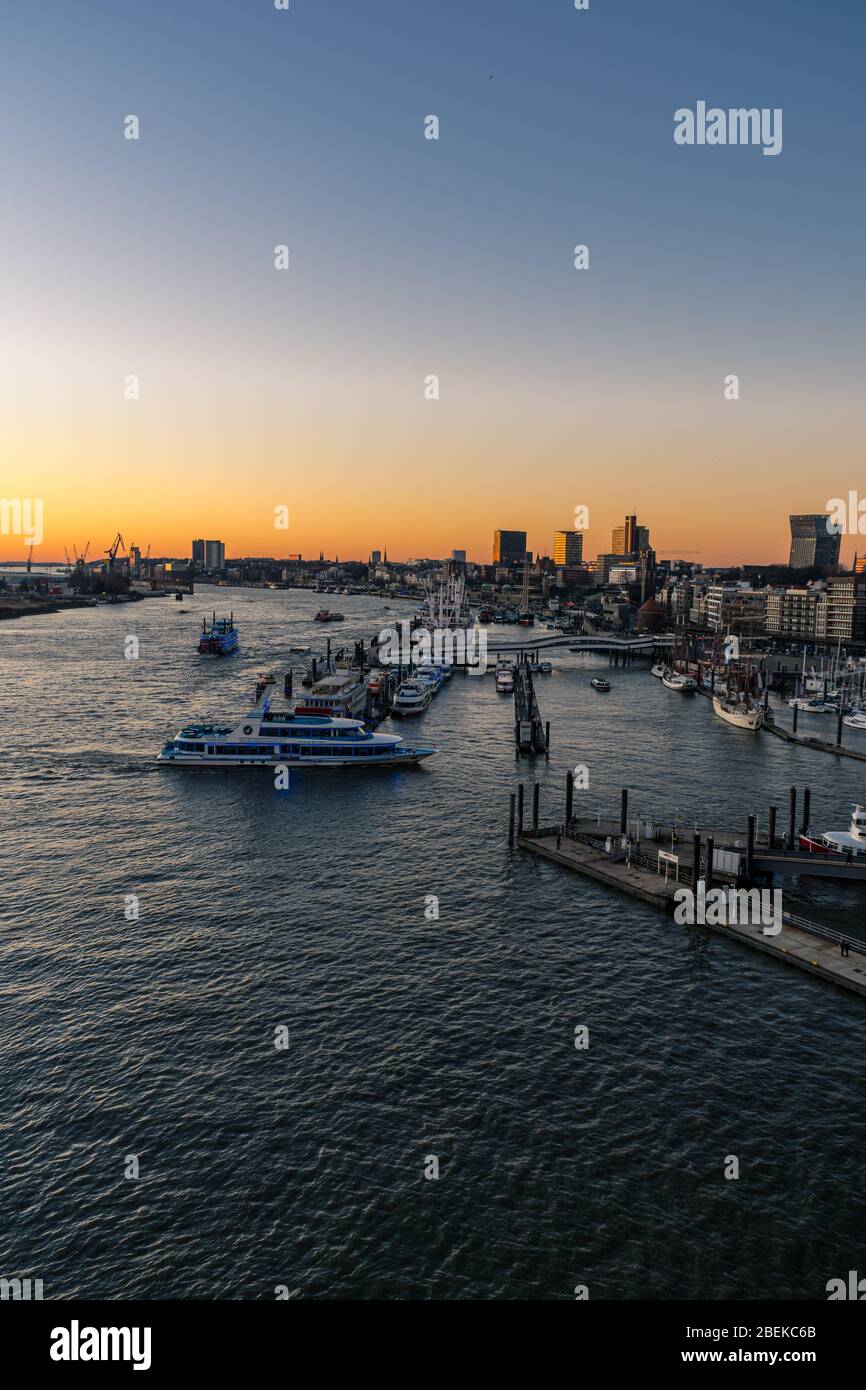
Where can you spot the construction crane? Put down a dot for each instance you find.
(79, 559)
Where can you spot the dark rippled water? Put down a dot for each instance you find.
(408, 1037)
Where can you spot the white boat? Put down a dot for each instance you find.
(857, 720)
(504, 677)
(412, 697)
(546, 668)
(851, 841)
(676, 680)
(658, 670)
(738, 713)
(269, 738)
(810, 704)
(434, 676)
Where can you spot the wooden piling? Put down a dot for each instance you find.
(807, 809)
(839, 724)
(623, 811)
(520, 809)
(511, 822)
(796, 712)
(569, 798)
(535, 792)
(792, 818)
(696, 858)
(709, 874)
(771, 828)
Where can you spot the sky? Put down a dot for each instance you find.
(409, 258)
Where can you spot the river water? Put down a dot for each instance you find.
(409, 1035)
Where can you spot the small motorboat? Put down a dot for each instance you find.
(546, 667)
(599, 683)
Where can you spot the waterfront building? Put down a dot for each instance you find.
(509, 547)
(812, 544)
(792, 613)
(735, 608)
(209, 555)
(568, 548)
(843, 618)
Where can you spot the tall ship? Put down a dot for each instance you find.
(740, 713)
(219, 637)
(270, 738)
(446, 604)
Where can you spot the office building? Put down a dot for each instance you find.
(812, 544)
(568, 547)
(509, 547)
(629, 539)
(208, 555)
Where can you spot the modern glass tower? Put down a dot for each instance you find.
(812, 543)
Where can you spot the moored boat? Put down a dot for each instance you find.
(679, 681)
(851, 841)
(412, 697)
(738, 713)
(339, 693)
(504, 677)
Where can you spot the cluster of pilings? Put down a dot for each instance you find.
(626, 657)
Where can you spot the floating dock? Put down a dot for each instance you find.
(654, 868)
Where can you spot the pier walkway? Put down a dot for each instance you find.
(811, 948)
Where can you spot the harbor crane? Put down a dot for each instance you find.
(79, 559)
(112, 550)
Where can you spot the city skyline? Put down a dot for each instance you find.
(409, 258)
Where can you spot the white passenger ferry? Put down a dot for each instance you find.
(268, 738)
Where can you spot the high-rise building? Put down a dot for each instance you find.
(567, 547)
(459, 556)
(509, 547)
(375, 557)
(209, 555)
(629, 539)
(812, 544)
